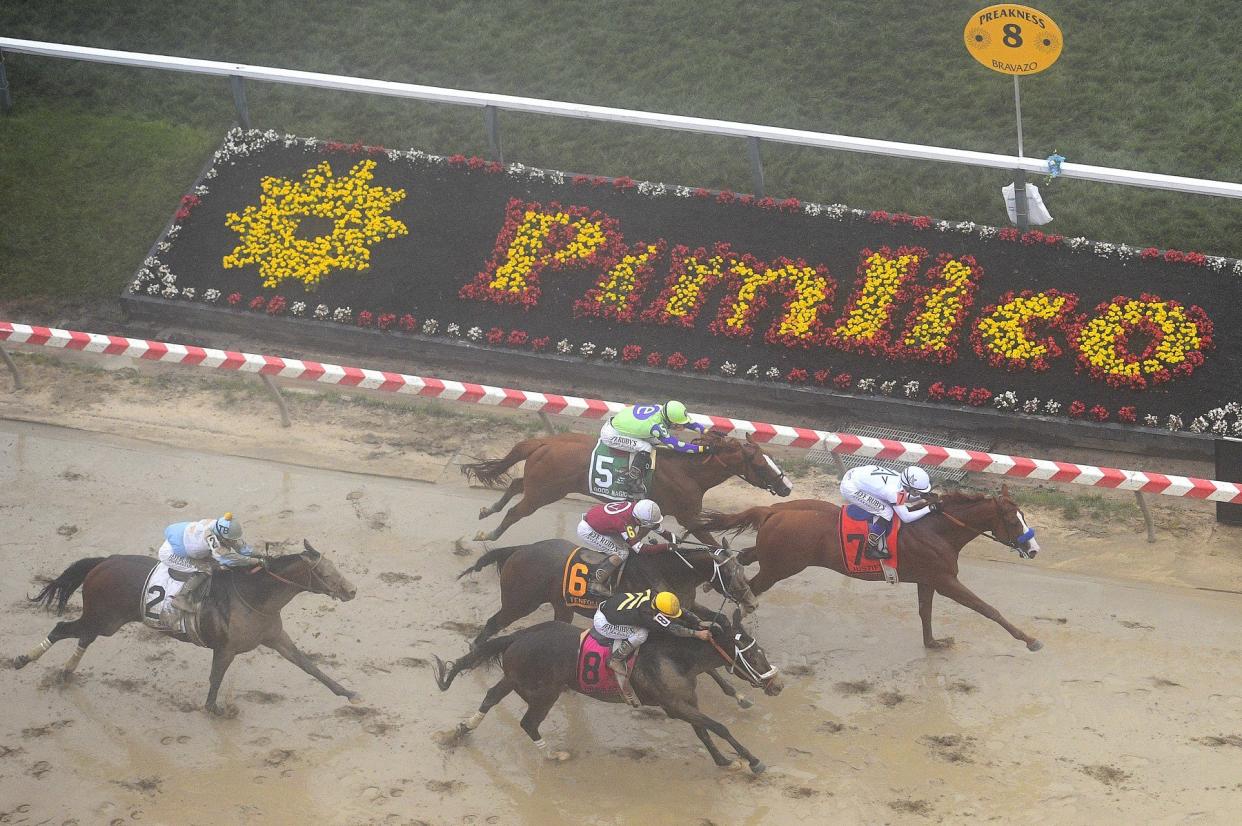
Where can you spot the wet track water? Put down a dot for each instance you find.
(1131, 713)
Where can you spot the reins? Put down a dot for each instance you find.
(311, 579)
(1025, 537)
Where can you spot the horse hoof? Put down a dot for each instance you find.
(744, 702)
(484, 513)
(1034, 645)
(20, 661)
(558, 756)
(758, 767)
(481, 536)
(355, 699)
(947, 642)
(738, 765)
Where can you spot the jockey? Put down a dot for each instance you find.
(616, 528)
(191, 548)
(881, 493)
(637, 429)
(627, 620)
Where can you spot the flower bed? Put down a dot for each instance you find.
(622, 272)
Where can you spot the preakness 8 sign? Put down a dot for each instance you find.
(1013, 39)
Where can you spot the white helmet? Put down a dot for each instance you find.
(915, 480)
(648, 513)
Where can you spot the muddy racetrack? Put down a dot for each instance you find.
(1131, 713)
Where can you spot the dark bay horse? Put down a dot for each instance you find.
(795, 535)
(241, 613)
(556, 466)
(532, 575)
(540, 662)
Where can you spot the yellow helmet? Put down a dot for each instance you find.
(668, 604)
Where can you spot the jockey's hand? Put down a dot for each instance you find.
(704, 635)
(668, 535)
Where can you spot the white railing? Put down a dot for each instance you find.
(494, 102)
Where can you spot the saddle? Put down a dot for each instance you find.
(608, 473)
(578, 584)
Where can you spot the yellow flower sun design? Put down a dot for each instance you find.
(357, 210)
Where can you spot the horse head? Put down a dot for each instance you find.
(749, 461)
(997, 516)
(314, 572)
(743, 655)
(728, 578)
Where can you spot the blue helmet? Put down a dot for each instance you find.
(228, 529)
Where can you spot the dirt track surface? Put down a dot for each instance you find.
(1131, 713)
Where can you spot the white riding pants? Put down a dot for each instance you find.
(609, 436)
(635, 635)
(184, 564)
(869, 502)
(601, 542)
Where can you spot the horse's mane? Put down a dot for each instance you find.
(954, 497)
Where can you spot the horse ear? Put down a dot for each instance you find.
(1004, 490)
(737, 617)
(750, 437)
(310, 550)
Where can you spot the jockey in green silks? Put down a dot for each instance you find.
(640, 428)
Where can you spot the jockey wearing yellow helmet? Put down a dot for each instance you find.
(626, 619)
(640, 427)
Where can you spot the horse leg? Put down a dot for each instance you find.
(284, 645)
(494, 695)
(221, 659)
(537, 708)
(767, 577)
(926, 593)
(506, 616)
(515, 487)
(952, 588)
(712, 749)
(79, 652)
(688, 710)
(62, 631)
(521, 510)
(728, 689)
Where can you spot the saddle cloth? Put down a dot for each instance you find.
(594, 675)
(578, 582)
(157, 613)
(604, 476)
(854, 524)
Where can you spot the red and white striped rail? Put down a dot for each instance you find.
(805, 437)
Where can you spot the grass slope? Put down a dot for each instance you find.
(94, 156)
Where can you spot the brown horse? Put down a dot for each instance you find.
(241, 612)
(540, 662)
(795, 535)
(556, 466)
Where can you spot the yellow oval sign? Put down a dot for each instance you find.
(1013, 39)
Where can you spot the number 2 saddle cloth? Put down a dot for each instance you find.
(578, 581)
(594, 675)
(157, 611)
(605, 476)
(854, 525)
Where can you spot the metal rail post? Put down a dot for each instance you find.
(1142, 503)
(6, 100)
(17, 377)
(547, 423)
(280, 400)
(756, 165)
(491, 121)
(239, 100)
(1019, 179)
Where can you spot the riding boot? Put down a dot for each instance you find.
(604, 575)
(875, 540)
(184, 600)
(636, 476)
(616, 662)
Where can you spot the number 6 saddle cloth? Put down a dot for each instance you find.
(594, 675)
(156, 608)
(578, 582)
(854, 525)
(607, 469)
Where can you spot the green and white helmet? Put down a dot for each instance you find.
(676, 413)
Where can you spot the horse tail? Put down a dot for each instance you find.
(490, 651)
(498, 555)
(735, 522)
(60, 589)
(493, 472)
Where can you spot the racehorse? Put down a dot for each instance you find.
(556, 466)
(542, 661)
(241, 612)
(795, 535)
(534, 574)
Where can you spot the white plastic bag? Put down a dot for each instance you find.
(1036, 212)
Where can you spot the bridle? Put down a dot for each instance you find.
(1016, 544)
(749, 674)
(717, 575)
(312, 578)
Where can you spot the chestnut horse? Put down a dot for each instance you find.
(241, 613)
(795, 535)
(556, 466)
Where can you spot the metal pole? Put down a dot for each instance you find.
(491, 122)
(280, 400)
(239, 100)
(1019, 180)
(756, 165)
(1142, 503)
(17, 377)
(6, 100)
(547, 423)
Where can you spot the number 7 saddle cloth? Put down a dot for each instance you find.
(594, 675)
(854, 525)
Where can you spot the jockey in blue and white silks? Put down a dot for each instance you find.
(191, 549)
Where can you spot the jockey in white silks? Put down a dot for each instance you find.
(883, 493)
(192, 549)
